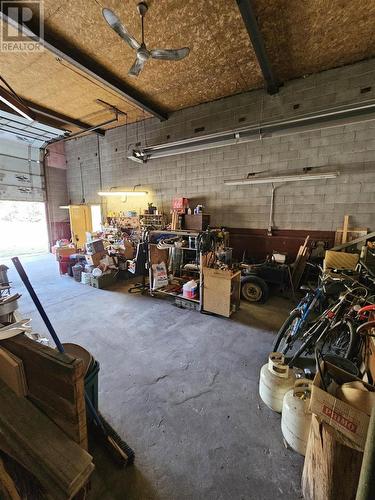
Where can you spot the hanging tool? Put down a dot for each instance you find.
(120, 451)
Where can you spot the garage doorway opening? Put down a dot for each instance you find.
(23, 228)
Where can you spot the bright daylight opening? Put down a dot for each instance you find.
(23, 228)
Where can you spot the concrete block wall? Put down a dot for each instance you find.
(56, 182)
(314, 205)
(57, 192)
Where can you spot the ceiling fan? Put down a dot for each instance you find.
(143, 54)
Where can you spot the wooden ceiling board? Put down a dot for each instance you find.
(212, 29)
(308, 36)
(301, 37)
(56, 85)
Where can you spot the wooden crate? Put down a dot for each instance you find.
(196, 222)
(55, 384)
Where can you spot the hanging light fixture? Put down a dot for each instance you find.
(122, 193)
(282, 178)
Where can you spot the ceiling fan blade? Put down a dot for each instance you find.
(119, 28)
(170, 54)
(136, 68)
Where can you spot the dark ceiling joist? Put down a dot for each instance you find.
(249, 18)
(62, 49)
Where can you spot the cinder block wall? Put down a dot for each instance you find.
(319, 205)
(57, 193)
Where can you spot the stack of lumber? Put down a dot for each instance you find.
(30, 437)
(55, 384)
(300, 263)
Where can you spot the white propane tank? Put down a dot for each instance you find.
(296, 418)
(276, 378)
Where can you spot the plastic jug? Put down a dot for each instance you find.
(189, 289)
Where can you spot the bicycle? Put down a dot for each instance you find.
(363, 320)
(333, 330)
(300, 318)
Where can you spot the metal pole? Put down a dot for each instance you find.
(37, 303)
(366, 484)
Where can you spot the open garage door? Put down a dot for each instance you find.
(23, 228)
(23, 225)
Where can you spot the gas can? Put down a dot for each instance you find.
(276, 378)
(296, 418)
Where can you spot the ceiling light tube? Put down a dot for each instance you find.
(122, 193)
(282, 178)
(64, 207)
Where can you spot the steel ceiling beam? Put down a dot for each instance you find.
(61, 48)
(249, 18)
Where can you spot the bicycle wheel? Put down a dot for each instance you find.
(309, 338)
(340, 339)
(284, 342)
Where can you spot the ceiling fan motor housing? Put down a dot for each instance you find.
(142, 8)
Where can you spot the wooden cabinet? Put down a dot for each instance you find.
(196, 222)
(221, 291)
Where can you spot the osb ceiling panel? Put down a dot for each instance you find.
(308, 36)
(221, 61)
(301, 37)
(41, 78)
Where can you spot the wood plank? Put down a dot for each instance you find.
(12, 372)
(7, 484)
(345, 229)
(55, 384)
(362, 239)
(331, 469)
(30, 437)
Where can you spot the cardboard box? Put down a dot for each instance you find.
(344, 418)
(180, 204)
(94, 259)
(94, 246)
(64, 252)
(129, 250)
(105, 280)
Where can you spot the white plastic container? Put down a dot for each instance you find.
(189, 289)
(276, 378)
(296, 418)
(86, 278)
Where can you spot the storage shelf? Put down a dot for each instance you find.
(187, 298)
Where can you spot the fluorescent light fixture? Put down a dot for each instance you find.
(138, 155)
(282, 178)
(122, 193)
(65, 207)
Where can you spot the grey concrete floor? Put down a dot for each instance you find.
(180, 387)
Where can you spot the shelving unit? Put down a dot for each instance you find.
(155, 220)
(156, 256)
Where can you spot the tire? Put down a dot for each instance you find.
(284, 330)
(254, 289)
